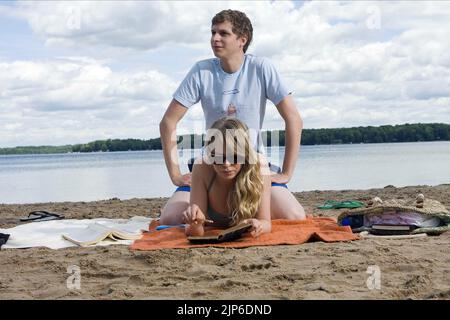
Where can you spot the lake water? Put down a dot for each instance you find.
(125, 175)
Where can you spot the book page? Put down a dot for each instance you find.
(126, 235)
(89, 235)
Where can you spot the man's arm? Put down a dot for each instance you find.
(168, 131)
(293, 130)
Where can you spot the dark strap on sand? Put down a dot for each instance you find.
(3, 239)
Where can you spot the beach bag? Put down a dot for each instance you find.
(398, 216)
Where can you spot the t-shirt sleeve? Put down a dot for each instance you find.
(276, 89)
(188, 93)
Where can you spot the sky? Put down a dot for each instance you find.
(74, 72)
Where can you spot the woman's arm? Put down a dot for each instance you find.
(263, 213)
(262, 222)
(195, 214)
(199, 194)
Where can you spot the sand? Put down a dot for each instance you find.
(409, 268)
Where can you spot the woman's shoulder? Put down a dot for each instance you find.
(264, 164)
(203, 169)
(262, 158)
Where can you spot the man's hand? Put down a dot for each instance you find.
(279, 178)
(182, 180)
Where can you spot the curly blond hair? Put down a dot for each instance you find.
(245, 196)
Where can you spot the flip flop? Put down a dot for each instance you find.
(3, 239)
(349, 204)
(37, 216)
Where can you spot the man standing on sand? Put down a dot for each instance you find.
(233, 84)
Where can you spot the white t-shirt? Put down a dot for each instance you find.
(243, 93)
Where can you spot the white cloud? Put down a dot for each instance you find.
(73, 99)
(124, 24)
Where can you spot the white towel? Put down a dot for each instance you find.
(49, 233)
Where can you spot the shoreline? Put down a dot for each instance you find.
(190, 149)
(158, 199)
(309, 199)
(408, 132)
(410, 268)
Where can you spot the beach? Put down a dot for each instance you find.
(416, 268)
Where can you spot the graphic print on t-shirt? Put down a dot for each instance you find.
(231, 110)
(234, 91)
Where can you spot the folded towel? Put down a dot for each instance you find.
(283, 232)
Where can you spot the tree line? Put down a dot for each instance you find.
(397, 133)
(370, 134)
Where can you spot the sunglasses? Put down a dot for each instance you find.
(219, 159)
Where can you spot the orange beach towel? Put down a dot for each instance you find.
(283, 232)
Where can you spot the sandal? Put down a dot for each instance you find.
(37, 216)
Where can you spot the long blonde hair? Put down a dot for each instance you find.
(245, 196)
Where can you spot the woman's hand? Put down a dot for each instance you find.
(194, 219)
(257, 227)
(196, 230)
(194, 215)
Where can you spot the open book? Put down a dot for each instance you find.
(96, 232)
(229, 234)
